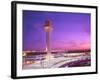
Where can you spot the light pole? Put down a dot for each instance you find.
(48, 29)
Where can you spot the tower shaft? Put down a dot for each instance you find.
(48, 46)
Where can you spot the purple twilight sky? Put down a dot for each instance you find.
(70, 30)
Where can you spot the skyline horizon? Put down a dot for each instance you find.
(60, 50)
